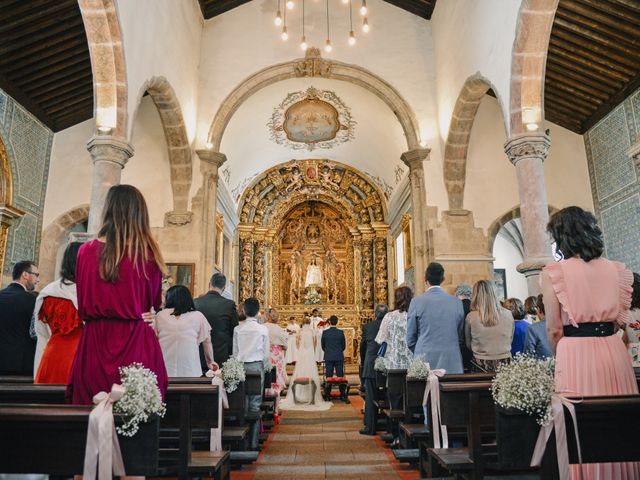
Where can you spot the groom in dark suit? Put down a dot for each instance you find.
(333, 344)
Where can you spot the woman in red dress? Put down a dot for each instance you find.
(119, 279)
(57, 323)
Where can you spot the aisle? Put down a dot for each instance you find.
(314, 445)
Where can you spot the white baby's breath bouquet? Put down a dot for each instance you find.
(526, 384)
(268, 364)
(142, 398)
(419, 369)
(233, 373)
(379, 365)
(312, 297)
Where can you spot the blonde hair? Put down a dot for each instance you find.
(484, 302)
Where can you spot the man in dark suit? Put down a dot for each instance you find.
(222, 316)
(17, 301)
(368, 353)
(333, 344)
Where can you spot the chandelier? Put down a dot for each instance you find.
(281, 21)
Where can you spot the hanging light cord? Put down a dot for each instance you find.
(350, 17)
(328, 20)
(302, 18)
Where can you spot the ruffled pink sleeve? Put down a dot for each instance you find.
(625, 281)
(205, 329)
(556, 275)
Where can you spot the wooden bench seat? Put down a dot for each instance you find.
(211, 464)
(452, 459)
(407, 455)
(243, 458)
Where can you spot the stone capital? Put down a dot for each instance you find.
(105, 148)
(532, 266)
(210, 161)
(528, 145)
(414, 158)
(9, 214)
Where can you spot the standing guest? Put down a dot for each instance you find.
(293, 330)
(333, 344)
(488, 329)
(118, 278)
(531, 310)
(520, 331)
(318, 325)
(368, 352)
(435, 324)
(631, 333)
(251, 346)
(463, 292)
(17, 348)
(278, 339)
(181, 329)
(536, 342)
(241, 315)
(57, 323)
(394, 331)
(222, 316)
(585, 298)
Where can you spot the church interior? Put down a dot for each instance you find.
(321, 154)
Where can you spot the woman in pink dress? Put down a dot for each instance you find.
(586, 299)
(119, 279)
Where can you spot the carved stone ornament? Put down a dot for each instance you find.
(177, 218)
(313, 65)
(528, 146)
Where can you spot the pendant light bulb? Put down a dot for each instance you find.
(290, 4)
(284, 35)
(352, 38)
(327, 46)
(365, 25)
(363, 8)
(278, 20)
(303, 43)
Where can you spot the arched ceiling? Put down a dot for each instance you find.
(376, 146)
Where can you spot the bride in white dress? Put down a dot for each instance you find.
(305, 368)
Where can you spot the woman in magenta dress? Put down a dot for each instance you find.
(586, 299)
(119, 279)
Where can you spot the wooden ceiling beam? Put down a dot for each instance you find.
(48, 57)
(554, 84)
(619, 34)
(27, 102)
(42, 24)
(593, 37)
(631, 5)
(613, 102)
(48, 84)
(623, 65)
(16, 12)
(78, 100)
(40, 36)
(564, 122)
(580, 79)
(588, 107)
(590, 12)
(37, 14)
(568, 103)
(67, 98)
(565, 50)
(81, 84)
(36, 71)
(596, 49)
(572, 67)
(77, 116)
(59, 43)
(575, 87)
(410, 7)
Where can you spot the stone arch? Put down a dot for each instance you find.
(52, 237)
(104, 38)
(535, 21)
(457, 146)
(501, 221)
(314, 66)
(175, 131)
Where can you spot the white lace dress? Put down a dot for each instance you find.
(305, 368)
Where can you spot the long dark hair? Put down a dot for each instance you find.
(68, 267)
(125, 227)
(179, 298)
(576, 233)
(635, 296)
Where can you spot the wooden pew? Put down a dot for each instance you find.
(51, 439)
(396, 379)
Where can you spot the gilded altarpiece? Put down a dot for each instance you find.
(313, 235)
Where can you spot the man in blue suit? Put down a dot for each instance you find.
(435, 324)
(333, 344)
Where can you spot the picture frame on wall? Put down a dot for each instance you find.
(182, 274)
(500, 283)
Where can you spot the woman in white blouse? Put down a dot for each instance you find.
(181, 329)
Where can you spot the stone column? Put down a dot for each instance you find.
(109, 156)
(210, 162)
(414, 159)
(528, 152)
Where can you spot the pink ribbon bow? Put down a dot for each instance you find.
(432, 389)
(102, 453)
(215, 443)
(558, 402)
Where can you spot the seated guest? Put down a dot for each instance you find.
(530, 310)
(278, 339)
(333, 344)
(181, 329)
(368, 352)
(17, 348)
(251, 346)
(536, 342)
(57, 323)
(488, 329)
(520, 331)
(463, 292)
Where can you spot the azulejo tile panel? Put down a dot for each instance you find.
(621, 225)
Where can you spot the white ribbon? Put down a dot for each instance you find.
(432, 389)
(215, 443)
(102, 452)
(558, 402)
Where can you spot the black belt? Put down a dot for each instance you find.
(598, 329)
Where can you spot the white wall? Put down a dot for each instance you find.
(508, 257)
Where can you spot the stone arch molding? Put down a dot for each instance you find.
(315, 66)
(457, 146)
(175, 131)
(52, 237)
(501, 221)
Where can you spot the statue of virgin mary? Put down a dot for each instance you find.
(314, 274)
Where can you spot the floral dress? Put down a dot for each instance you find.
(393, 330)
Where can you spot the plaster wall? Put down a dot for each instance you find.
(472, 37)
(508, 257)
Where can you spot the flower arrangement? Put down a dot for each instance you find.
(268, 364)
(312, 297)
(142, 398)
(379, 365)
(232, 374)
(526, 384)
(419, 369)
